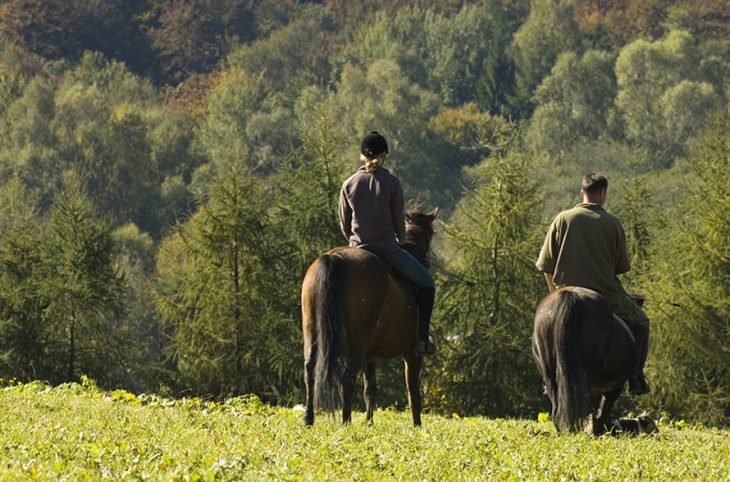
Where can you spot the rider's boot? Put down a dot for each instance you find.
(638, 385)
(424, 298)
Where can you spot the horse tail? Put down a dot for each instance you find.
(571, 404)
(327, 376)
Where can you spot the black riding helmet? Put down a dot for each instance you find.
(373, 144)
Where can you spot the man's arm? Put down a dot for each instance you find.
(548, 254)
(550, 283)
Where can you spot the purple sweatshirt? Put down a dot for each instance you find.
(371, 210)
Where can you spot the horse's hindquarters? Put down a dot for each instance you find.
(580, 351)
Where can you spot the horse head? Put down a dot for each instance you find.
(419, 233)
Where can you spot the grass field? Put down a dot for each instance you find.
(78, 432)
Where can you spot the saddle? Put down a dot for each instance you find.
(625, 327)
(410, 285)
(639, 299)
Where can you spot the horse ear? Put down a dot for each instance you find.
(433, 214)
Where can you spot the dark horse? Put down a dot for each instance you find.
(584, 356)
(353, 307)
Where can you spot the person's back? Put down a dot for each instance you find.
(378, 201)
(586, 247)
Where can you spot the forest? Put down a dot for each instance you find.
(170, 168)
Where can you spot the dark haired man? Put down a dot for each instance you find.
(585, 246)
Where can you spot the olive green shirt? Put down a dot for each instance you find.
(585, 246)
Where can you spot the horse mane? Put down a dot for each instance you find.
(419, 232)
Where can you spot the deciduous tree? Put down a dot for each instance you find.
(549, 30)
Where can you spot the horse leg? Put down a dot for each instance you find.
(595, 427)
(603, 414)
(310, 362)
(352, 368)
(370, 391)
(413, 365)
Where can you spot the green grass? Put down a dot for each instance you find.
(78, 432)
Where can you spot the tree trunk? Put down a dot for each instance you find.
(236, 310)
(71, 349)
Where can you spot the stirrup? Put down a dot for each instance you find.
(425, 347)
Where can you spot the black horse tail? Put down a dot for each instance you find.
(327, 376)
(571, 403)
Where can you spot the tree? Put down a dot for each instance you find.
(310, 187)
(574, 104)
(466, 55)
(231, 103)
(690, 276)
(12, 79)
(67, 28)
(102, 128)
(29, 151)
(492, 238)
(549, 30)
(637, 222)
(295, 55)
(661, 94)
(21, 310)
(192, 36)
(399, 37)
(472, 131)
(81, 287)
(143, 366)
(220, 295)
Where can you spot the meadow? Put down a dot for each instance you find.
(79, 432)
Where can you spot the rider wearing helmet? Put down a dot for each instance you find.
(372, 215)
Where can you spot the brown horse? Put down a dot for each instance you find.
(584, 356)
(353, 307)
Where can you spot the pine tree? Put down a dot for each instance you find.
(220, 293)
(690, 304)
(493, 239)
(80, 286)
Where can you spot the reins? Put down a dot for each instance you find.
(419, 241)
(453, 275)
